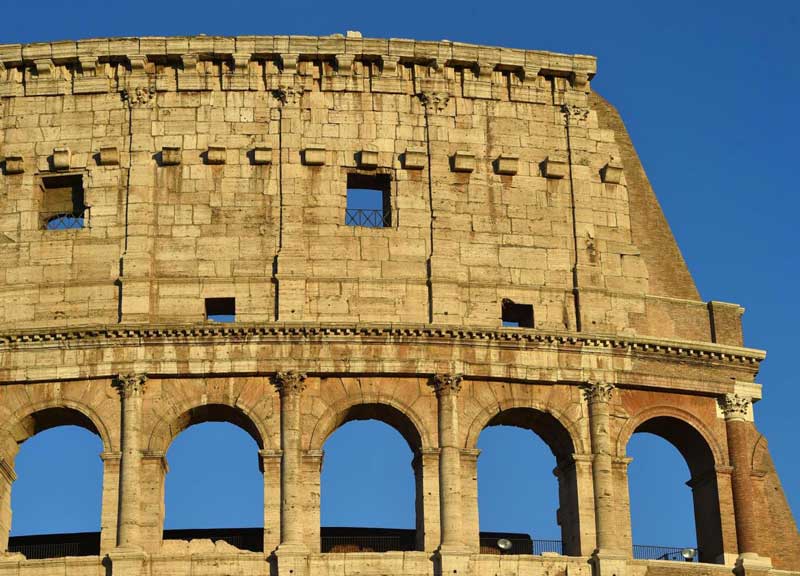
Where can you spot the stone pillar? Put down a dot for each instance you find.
(452, 556)
(130, 389)
(469, 498)
(290, 386)
(312, 470)
(7, 477)
(622, 498)
(607, 557)
(576, 504)
(736, 408)
(109, 508)
(152, 486)
(426, 478)
(271, 469)
(447, 387)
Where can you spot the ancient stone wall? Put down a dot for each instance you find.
(144, 178)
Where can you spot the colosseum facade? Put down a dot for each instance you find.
(517, 270)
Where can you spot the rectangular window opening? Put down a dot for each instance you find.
(368, 200)
(63, 206)
(517, 315)
(221, 309)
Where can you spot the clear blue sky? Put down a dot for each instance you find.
(708, 91)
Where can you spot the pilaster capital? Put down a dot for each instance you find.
(434, 101)
(130, 385)
(288, 95)
(290, 383)
(574, 113)
(597, 392)
(445, 384)
(137, 96)
(734, 406)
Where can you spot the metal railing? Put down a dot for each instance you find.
(520, 545)
(367, 218)
(644, 552)
(65, 220)
(369, 543)
(56, 545)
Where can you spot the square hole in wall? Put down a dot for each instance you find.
(368, 200)
(63, 206)
(516, 315)
(221, 309)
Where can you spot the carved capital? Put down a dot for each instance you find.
(574, 113)
(289, 383)
(434, 101)
(444, 384)
(288, 95)
(734, 407)
(130, 385)
(597, 392)
(138, 96)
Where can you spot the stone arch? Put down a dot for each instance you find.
(702, 453)
(670, 421)
(390, 411)
(167, 429)
(560, 433)
(564, 440)
(48, 414)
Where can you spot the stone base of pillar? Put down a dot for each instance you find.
(292, 560)
(751, 564)
(607, 563)
(127, 561)
(450, 560)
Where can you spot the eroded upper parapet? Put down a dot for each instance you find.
(270, 62)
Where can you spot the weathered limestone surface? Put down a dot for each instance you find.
(218, 167)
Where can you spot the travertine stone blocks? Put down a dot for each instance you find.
(555, 167)
(414, 158)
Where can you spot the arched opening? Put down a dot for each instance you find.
(214, 487)
(527, 485)
(371, 482)
(58, 492)
(661, 507)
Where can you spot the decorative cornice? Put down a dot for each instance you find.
(130, 385)
(597, 392)
(734, 406)
(289, 383)
(174, 334)
(444, 384)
